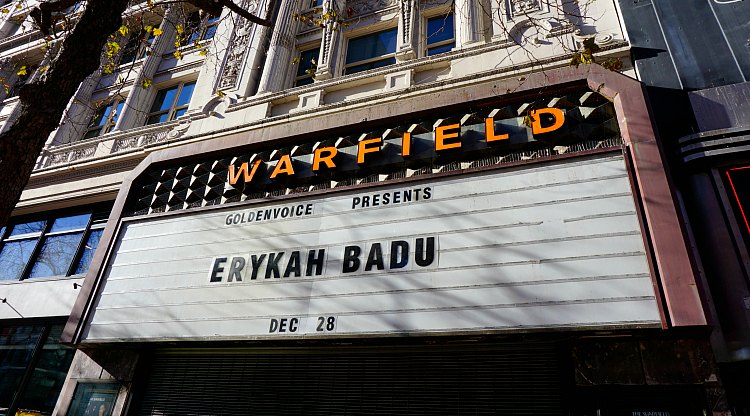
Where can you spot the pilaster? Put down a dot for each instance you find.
(331, 41)
(408, 30)
(138, 100)
(469, 23)
(281, 50)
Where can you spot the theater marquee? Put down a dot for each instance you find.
(553, 245)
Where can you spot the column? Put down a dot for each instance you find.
(139, 99)
(281, 50)
(78, 114)
(331, 41)
(408, 30)
(469, 26)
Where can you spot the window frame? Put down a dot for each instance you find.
(110, 121)
(173, 109)
(140, 50)
(306, 76)
(375, 31)
(205, 23)
(97, 220)
(425, 44)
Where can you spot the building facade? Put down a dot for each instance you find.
(700, 95)
(380, 207)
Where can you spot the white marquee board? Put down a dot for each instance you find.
(554, 245)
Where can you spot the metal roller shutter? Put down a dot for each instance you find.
(522, 379)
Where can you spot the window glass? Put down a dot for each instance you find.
(440, 34)
(159, 118)
(306, 66)
(210, 32)
(13, 258)
(28, 228)
(48, 375)
(371, 46)
(35, 251)
(16, 347)
(164, 99)
(170, 103)
(75, 222)
(56, 255)
(201, 28)
(88, 251)
(104, 119)
(185, 94)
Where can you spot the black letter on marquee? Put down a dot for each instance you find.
(375, 258)
(273, 265)
(217, 269)
(256, 261)
(399, 254)
(351, 259)
(425, 259)
(317, 262)
(238, 263)
(293, 265)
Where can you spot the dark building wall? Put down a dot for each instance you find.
(689, 44)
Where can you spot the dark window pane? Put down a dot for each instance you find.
(179, 113)
(75, 222)
(118, 111)
(13, 258)
(92, 133)
(56, 255)
(210, 32)
(49, 374)
(159, 118)
(16, 346)
(371, 46)
(28, 228)
(164, 99)
(88, 251)
(371, 65)
(439, 29)
(100, 118)
(193, 26)
(307, 61)
(303, 81)
(440, 49)
(185, 94)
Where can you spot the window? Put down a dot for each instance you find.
(440, 36)
(138, 47)
(315, 3)
(371, 51)
(12, 91)
(306, 67)
(201, 27)
(32, 352)
(55, 246)
(170, 103)
(104, 119)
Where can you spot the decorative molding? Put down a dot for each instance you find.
(363, 7)
(235, 56)
(523, 7)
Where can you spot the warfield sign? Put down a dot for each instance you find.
(554, 245)
(446, 138)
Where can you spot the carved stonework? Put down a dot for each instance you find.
(361, 7)
(153, 138)
(83, 153)
(522, 7)
(235, 57)
(124, 144)
(406, 8)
